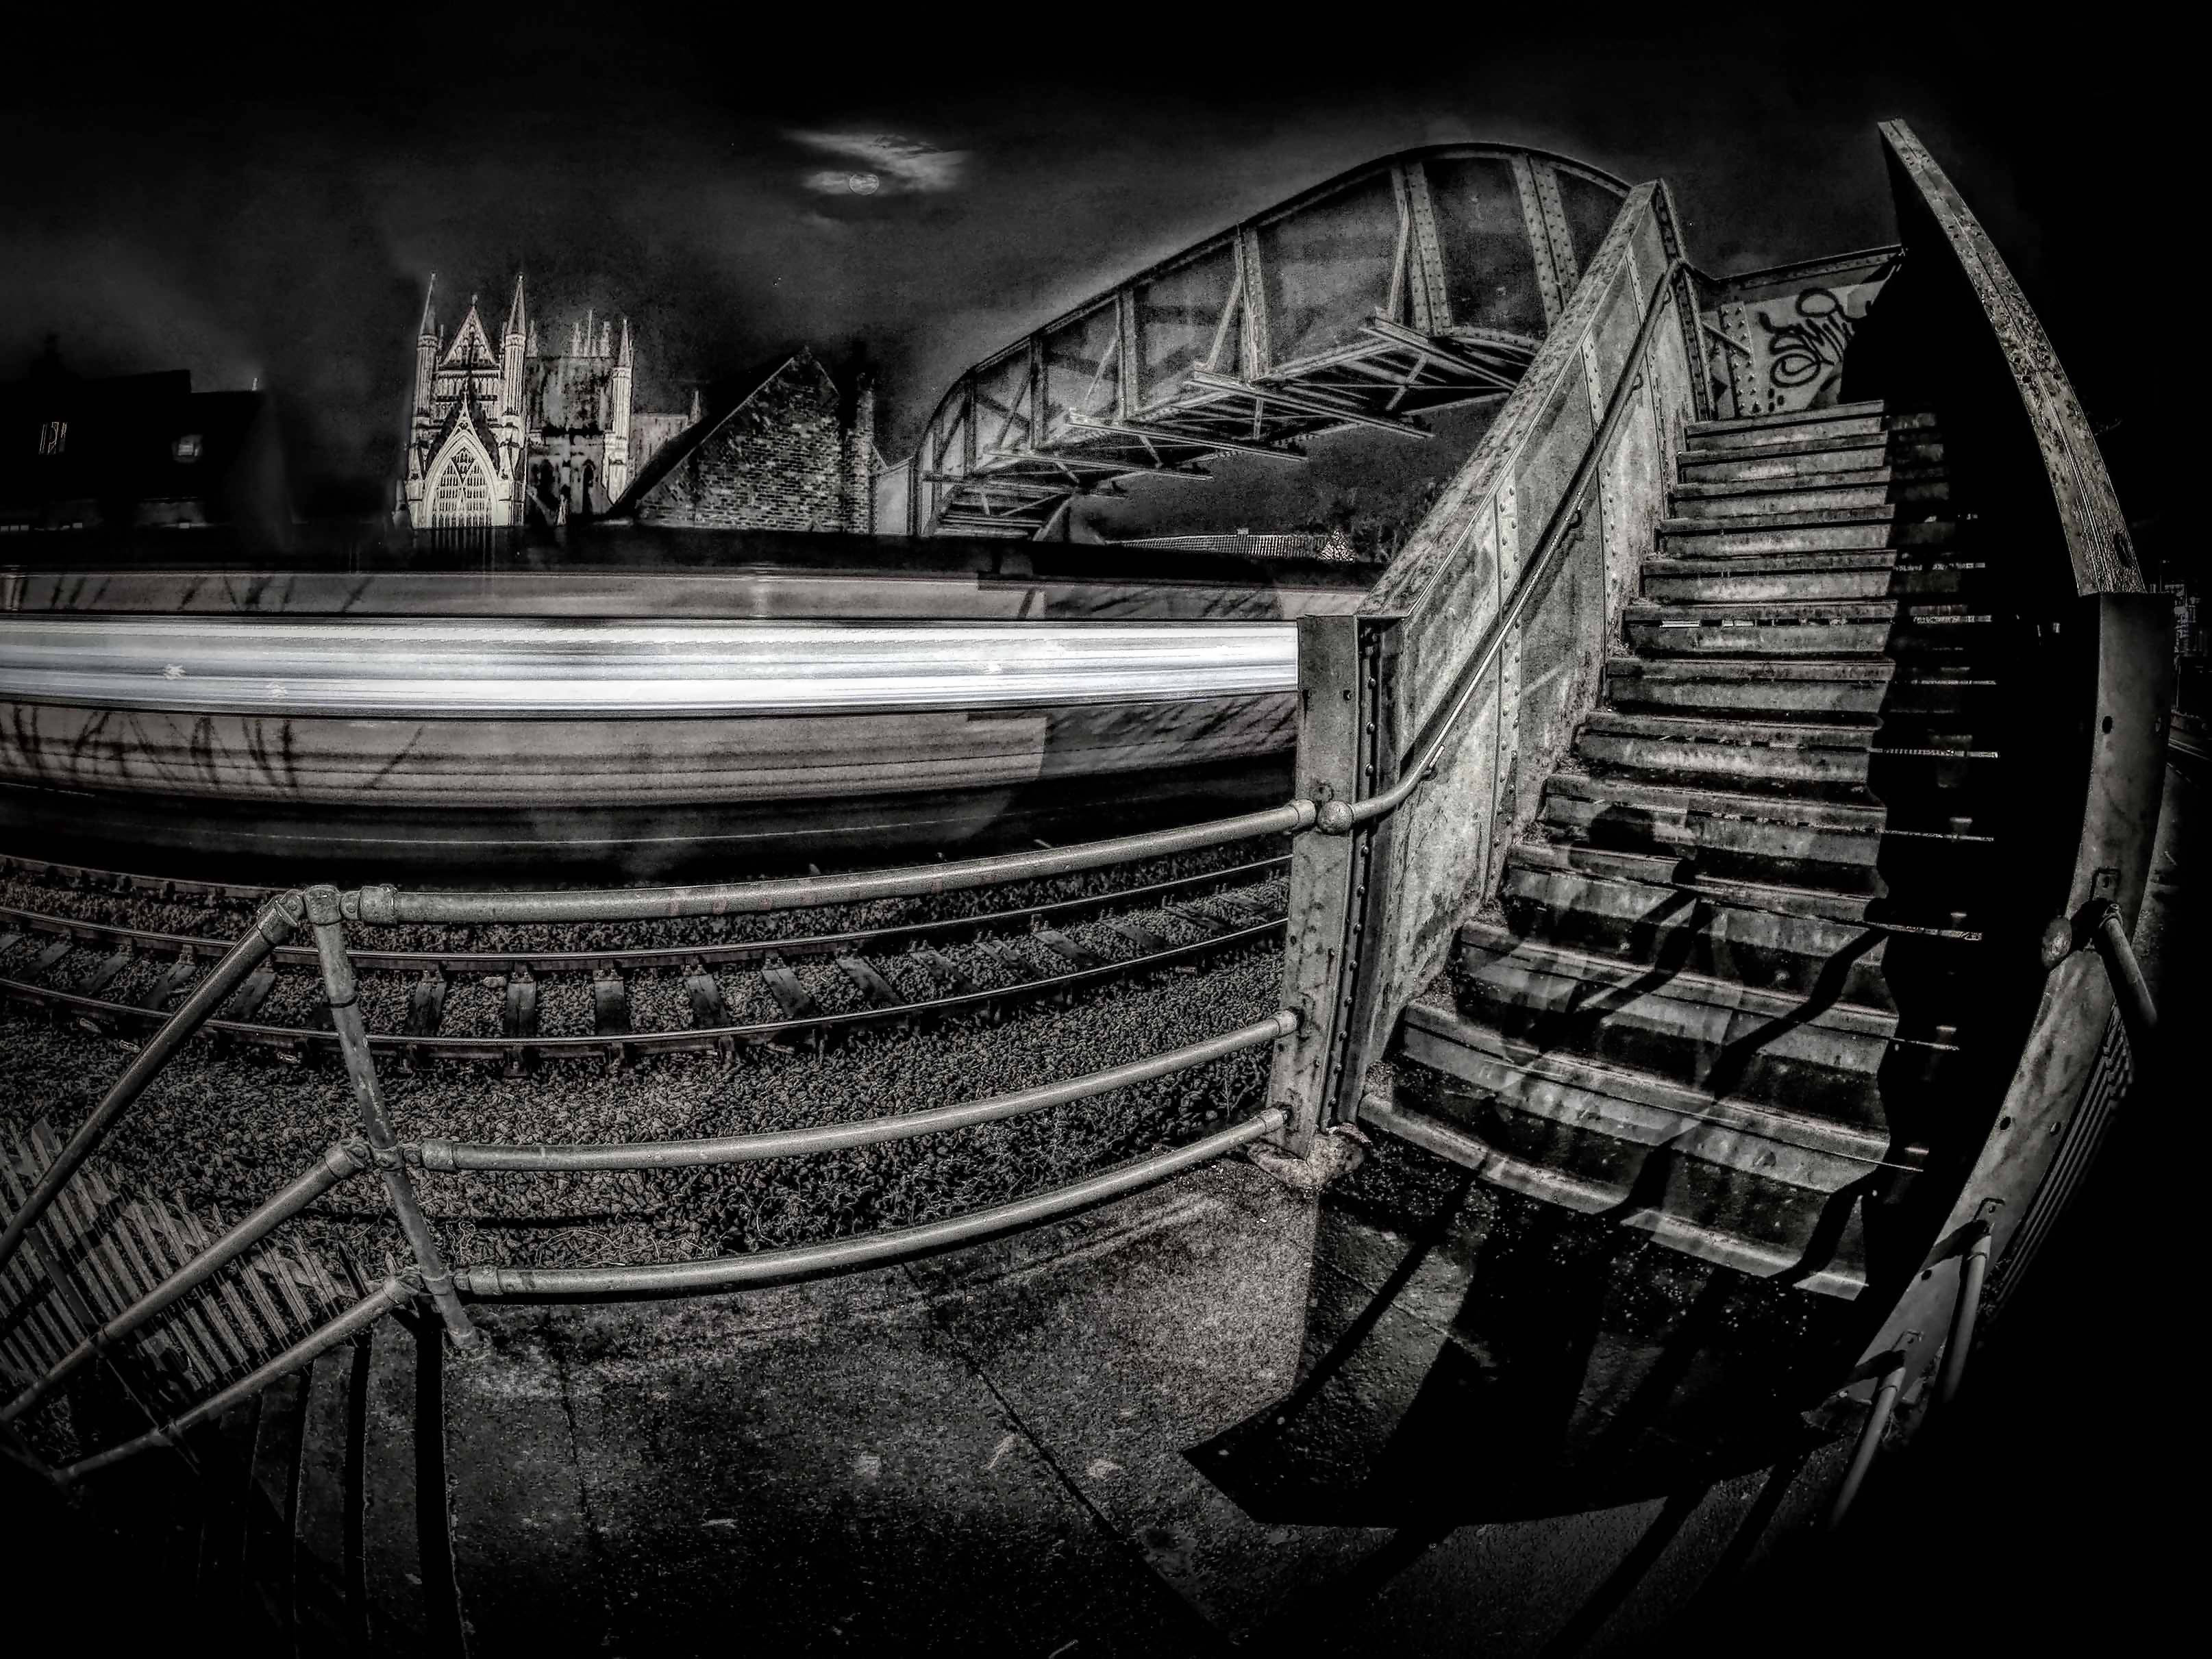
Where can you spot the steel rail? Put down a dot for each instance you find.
(121, 882)
(871, 1249)
(689, 1039)
(446, 1155)
(147, 942)
(392, 1294)
(273, 927)
(345, 1160)
(1339, 817)
(383, 905)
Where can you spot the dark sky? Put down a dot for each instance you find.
(266, 195)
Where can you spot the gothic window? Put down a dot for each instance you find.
(462, 496)
(53, 437)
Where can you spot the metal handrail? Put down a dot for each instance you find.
(382, 905)
(444, 1155)
(869, 1250)
(324, 909)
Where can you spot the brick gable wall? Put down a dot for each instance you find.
(782, 462)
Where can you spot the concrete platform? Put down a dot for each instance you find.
(1232, 1412)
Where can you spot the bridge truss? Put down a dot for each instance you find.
(1423, 280)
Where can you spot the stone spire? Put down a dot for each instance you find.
(517, 321)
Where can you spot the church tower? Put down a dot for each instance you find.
(618, 394)
(502, 432)
(513, 341)
(466, 443)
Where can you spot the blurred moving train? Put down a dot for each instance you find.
(636, 704)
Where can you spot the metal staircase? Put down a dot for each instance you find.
(1718, 1000)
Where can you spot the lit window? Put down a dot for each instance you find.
(53, 437)
(186, 448)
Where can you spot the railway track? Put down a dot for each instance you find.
(571, 1003)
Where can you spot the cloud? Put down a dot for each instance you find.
(900, 166)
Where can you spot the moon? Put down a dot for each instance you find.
(863, 183)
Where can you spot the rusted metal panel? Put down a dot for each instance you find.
(1336, 887)
(1556, 231)
(1432, 311)
(1469, 562)
(1532, 212)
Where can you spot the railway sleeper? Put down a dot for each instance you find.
(874, 988)
(518, 1021)
(708, 1008)
(426, 1008)
(165, 990)
(945, 976)
(245, 1001)
(611, 1015)
(103, 974)
(1076, 956)
(796, 1001)
(1146, 941)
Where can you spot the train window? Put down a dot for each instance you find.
(187, 447)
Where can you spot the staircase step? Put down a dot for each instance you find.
(1825, 492)
(1857, 420)
(1745, 1048)
(1831, 755)
(1811, 532)
(1810, 628)
(1799, 457)
(225, 1450)
(1832, 688)
(1871, 573)
(1613, 913)
(1786, 837)
(325, 1526)
(392, 1573)
(1797, 1147)
(279, 1438)
(1433, 1124)
(1850, 909)
(1599, 1139)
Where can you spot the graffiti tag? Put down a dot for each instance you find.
(1804, 350)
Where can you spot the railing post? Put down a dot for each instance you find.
(1885, 1401)
(1972, 1274)
(342, 994)
(2131, 990)
(1346, 752)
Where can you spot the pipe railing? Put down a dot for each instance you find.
(326, 911)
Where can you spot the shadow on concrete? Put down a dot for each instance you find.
(1473, 1357)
